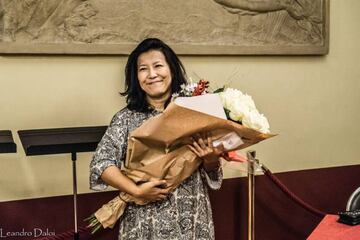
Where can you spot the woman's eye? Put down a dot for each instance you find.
(158, 65)
(142, 69)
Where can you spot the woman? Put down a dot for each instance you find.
(153, 73)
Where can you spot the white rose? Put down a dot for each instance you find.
(256, 121)
(229, 97)
(242, 108)
(247, 100)
(239, 110)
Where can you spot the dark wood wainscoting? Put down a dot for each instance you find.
(276, 216)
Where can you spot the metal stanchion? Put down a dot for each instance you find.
(252, 164)
(76, 233)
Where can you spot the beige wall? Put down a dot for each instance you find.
(311, 102)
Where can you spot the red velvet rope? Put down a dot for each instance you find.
(70, 234)
(290, 194)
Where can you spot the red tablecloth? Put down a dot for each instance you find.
(330, 229)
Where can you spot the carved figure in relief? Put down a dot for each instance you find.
(76, 24)
(302, 11)
(293, 7)
(37, 19)
(203, 22)
(9, 10)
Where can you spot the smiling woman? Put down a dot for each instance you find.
(152, 74)
(154, 78)
(151, 61)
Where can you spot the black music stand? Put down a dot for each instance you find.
(7, 144)
(63, 140)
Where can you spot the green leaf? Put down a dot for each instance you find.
(219, 90)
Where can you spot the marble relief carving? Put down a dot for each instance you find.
(191, 26)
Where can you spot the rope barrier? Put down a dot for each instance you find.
(69, 234)
(290, 194)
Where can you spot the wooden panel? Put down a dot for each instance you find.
(276, 216)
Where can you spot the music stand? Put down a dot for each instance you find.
(7, 144)
(63, 140)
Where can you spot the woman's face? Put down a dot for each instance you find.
(154, 74)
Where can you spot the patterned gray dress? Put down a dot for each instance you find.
(185, 213)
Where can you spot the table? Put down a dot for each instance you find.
(330, 229)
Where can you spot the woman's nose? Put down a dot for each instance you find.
(152, 72)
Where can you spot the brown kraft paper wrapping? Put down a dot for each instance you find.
(157, 150)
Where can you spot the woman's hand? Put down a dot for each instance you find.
(152, 191)
(202, 146)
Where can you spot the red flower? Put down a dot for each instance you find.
(201, 87)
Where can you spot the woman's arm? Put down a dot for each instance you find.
(202, 146)
(106, 162)
(211, 170)
(151, 191)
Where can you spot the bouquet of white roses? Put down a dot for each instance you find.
(238, 106)
(241, 108)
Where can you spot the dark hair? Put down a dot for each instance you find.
(135, 96)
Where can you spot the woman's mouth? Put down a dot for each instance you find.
(154, 82)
